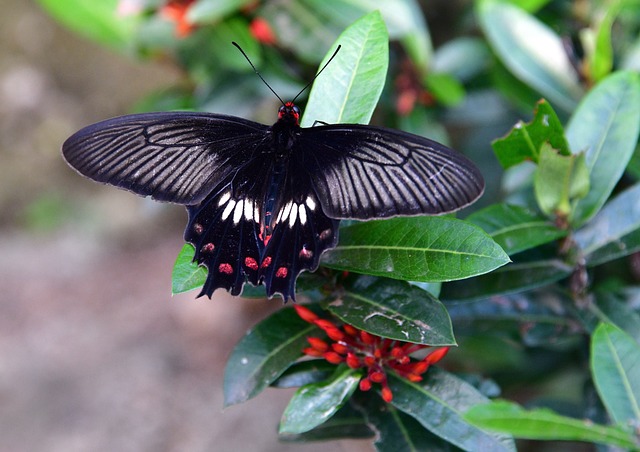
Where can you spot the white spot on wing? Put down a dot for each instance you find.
(256, 213)
(237, 213)
(294, 214)
(224, 198)
(286, 211)
(227, 210)
(302, 213)
(311, 204)
(248, 210)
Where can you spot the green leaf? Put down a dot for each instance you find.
(615, 231)
(394, 309)
(600, 58)
(210, 11)
(615, 366)
(97, 20)
(187, 275)
(559, 180)
(529, 5)
(438, 405)
(304, 372)
(525, 140)
(315, 403)
(544, 424)
(349, 88)
(515, 228)
(615, 308)
(605, 126)
(397, 431)
(515, 277)
(446, 89)
(531, 51)
(346, 423)
(461, 57)
(427, 249)
(263, 354)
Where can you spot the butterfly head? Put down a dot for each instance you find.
(289, 113)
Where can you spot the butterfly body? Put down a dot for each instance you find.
(264, 202)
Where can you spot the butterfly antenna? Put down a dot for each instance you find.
(258, 73)
(317, 74)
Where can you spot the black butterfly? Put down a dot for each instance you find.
(264, 202)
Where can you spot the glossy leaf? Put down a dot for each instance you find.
(605, 126)
(601, 59)
(515, 228)
(512, 278)
(543, 423)
(438, 405)
(524, 140)
(315, 403)
(615, 366)
(263, 354)
(615, 308)
(427, 249)
(615, 231)
(349, 88)
(304, 372)
(393, 309)
(531, 51)
(397, 431)
(560, 180)
(346, 423)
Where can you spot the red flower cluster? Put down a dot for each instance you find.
(262, 32)
(359, 349)
(176, 11)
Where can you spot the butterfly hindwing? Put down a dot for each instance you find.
(364, 172)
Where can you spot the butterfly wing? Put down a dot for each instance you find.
(364, 172)
(174, 156)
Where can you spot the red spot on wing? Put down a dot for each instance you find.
(250, 263)
(305, 253)
(207, 247)
(282, 272)
(227, 269)
(266, 262)
(197, 228)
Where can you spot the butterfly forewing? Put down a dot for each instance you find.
(364, 172)
(176, 157)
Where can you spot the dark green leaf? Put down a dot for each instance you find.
(615, 231)
(601, 60)
(615, 366)
(559, 181)
(462, 58)
(525, 140)
(605, 126)
(349, 88)
(263, 354)
(397, 431)
(532, 51)
(615, 308)
(347, 423)
(439, 403)
(515, 228)
(315, 403)
(394, 309)
(187, 275)
(543, 423)
(516, 277)
(427, 249)
(304, 372)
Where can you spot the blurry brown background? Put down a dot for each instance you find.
(95, 354)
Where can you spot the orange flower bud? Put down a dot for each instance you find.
(350, 330)
(365, 384)
(261, 30)
(311, 352)
(377, 376)
(339, 347)
(437, 355)
(353, 361)
(420, 367)
(318, 344)
(305, 314)
(333, 357)
(367, 338)
(387, 396)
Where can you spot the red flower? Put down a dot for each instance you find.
(176, 11)
(261, 30)
(359, 349)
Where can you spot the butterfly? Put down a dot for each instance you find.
(264, 202)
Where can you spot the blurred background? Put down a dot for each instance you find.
(95, 353)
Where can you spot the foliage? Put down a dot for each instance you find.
(538, 283)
